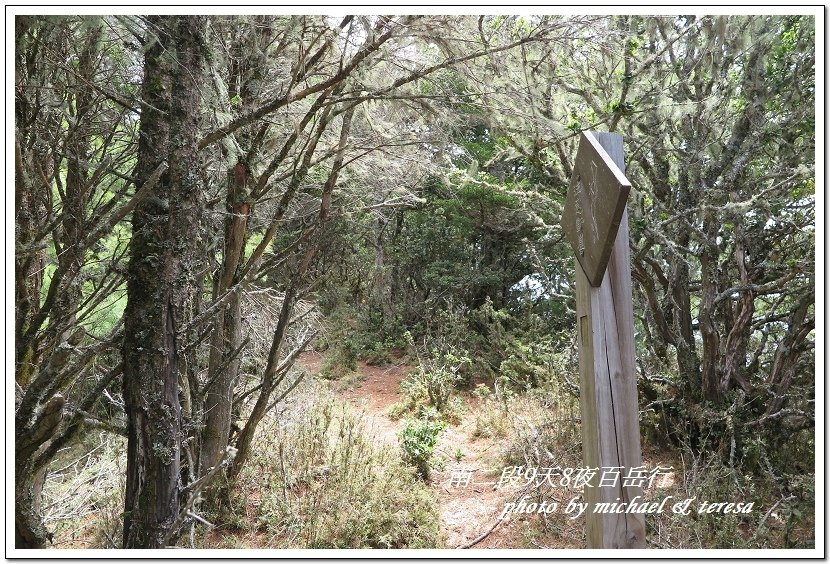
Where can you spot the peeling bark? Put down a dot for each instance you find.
(166, 227)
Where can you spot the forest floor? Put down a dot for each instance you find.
(470, 457)
(85, 498)
(470, 504)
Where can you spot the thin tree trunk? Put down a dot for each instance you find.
(785, 361)
(738, 338)
(272, 378)
(227, 339)
(381, 285)
(710, 381)
(248, 68)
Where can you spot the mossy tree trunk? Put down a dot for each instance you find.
(163, 259)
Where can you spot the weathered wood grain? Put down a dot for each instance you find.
(594, 206)
(608, 395)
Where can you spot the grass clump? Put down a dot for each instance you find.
(491, 420)
(320, 482)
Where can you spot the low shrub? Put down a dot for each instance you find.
(439, 375)
(454, 411)
(491, 420)
(319, 481)
(397, 410)
(340, 362)
(418, 439)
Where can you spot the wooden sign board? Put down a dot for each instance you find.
(594, 207)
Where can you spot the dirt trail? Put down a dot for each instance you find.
(469, 502)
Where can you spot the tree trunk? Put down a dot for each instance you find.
(41, 357)
(785, 362)
(29, 531)
(164, 245)
(248, 67)
(30, 195)
(381, 284)
(738, 337)
(273, 374)
(227, 337)
(710, 380)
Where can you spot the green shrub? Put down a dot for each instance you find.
(397, 410)
(340, 362)
(527, 364)
(349, 381)
(454, 411)
(378, 336)
(440, 375)
(481, 391)
(376, 355)
(491, 420)
(418, 439)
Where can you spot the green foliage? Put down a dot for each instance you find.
(471, 238)
(517, 351)
(414, 394)
(377, 354)
(482, 392)
(373, 338)
(440, 376)
(348, 381)
(377, 340)
(527, 365)
(397, 410)
(433, 383)
(418, 438)
(339, 362)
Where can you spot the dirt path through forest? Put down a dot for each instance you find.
(469, 501)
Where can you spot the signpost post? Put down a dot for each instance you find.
(596, 224)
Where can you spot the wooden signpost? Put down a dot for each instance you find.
(596, 225)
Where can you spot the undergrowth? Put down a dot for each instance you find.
(83, 494)
(318, 480)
